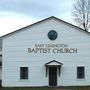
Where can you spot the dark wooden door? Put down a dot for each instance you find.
(52, 76)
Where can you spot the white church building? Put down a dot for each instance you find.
(50, 52)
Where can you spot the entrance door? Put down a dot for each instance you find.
(52, 76)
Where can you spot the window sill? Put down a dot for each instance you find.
(80, 79)
(24, 80)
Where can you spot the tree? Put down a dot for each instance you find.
(81, 13)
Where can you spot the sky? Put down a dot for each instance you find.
(15, 14)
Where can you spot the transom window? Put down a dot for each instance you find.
(80, 72)
(23, 72)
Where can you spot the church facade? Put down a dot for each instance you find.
(50, 52)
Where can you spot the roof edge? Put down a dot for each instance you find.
(42, 21)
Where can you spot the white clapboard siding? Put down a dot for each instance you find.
(15, 55)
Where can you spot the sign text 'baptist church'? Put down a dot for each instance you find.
(52, 48)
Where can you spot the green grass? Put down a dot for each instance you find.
(48, 88)
(28, 89)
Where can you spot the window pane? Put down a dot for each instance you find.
(80, 72)
(23, 72)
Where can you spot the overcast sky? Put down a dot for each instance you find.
(15, 14)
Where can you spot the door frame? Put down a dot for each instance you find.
(49, 77)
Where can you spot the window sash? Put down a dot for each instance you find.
(23, 72)
(80, 73)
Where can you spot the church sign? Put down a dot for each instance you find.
(52, 48)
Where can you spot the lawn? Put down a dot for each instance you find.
(50, 88)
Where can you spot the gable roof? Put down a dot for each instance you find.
(53, 62)
(52, 17)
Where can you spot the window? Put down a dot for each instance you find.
(52, 35)
(80, 72)
(23, 72)
(0, 64)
